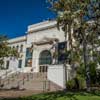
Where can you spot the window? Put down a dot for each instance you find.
(17, 47)
(13, 47)
(20, 64)
(28, 61)
(45, 57)
(62, 55)
(21, 48)
(7, 64)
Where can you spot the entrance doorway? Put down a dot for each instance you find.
(43, 68)
(45, 59)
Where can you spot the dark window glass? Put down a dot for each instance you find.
(45, 57)
(21, 48)
(28, 61)
(7, 64)
(62, 55)
(20, 64)
(17, 47)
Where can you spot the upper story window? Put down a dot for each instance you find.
(7, 65)
(28, 62)
(13, 47)
(21, 48)
(17, 47)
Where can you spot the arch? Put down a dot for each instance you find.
(45, 57)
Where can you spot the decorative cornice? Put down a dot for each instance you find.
(17, 40)
(41, 26)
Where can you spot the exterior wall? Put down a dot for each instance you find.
(48, 33)
(56, 75)
(36, 33)
(13, 62)
(36, 54)
(22, 54)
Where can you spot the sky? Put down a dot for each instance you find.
(16, 15)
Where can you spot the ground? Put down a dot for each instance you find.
(56, 96)
(16, 93)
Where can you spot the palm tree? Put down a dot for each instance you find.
(70, 16)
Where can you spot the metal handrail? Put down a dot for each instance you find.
(46, 84)
(6, 73)
(24, 79)
(6, 80)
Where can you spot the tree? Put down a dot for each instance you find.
(5, 50)
(74, 14)
(88, 37)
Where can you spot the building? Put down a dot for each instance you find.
(36, 52)
(35, 48)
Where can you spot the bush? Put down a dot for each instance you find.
(76, 83)
(98, 76)
(93, 76)
(70, 84)
(81, 82)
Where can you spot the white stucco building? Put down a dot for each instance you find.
(36, 52)
(34, 46)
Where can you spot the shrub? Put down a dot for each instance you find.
(98, 76)
(70, 84)
(76, 83)
(81, 82)
(93, 76)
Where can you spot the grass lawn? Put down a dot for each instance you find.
(62, 96)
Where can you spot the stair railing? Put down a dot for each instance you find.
(3, 76)
(25, 78)
(5, 79)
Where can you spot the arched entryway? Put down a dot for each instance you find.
(45, 59)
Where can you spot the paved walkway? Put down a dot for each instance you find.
(16, 93)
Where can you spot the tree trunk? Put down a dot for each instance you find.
(65, 68)
(87, 69)
(64, 64)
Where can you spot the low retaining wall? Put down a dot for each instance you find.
(56, 74)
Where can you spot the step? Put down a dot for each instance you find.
(32, 81)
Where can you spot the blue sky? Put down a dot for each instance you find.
(16, 15)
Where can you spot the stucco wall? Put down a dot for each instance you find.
(39, 31)
(56, 74)
(51, 33)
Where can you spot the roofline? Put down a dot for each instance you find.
(17, 39)
(41, 26)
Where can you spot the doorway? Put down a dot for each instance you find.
(45, 59)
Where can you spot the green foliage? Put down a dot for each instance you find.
(60, 96)
(70, 84)
(5, 50)
(81, 70)
(98, 76)
(93, 75)
(78, 83)
(70, 14)
(81, 82)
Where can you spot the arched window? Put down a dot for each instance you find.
(45, 57)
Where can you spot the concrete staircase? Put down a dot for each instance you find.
(28, 81)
